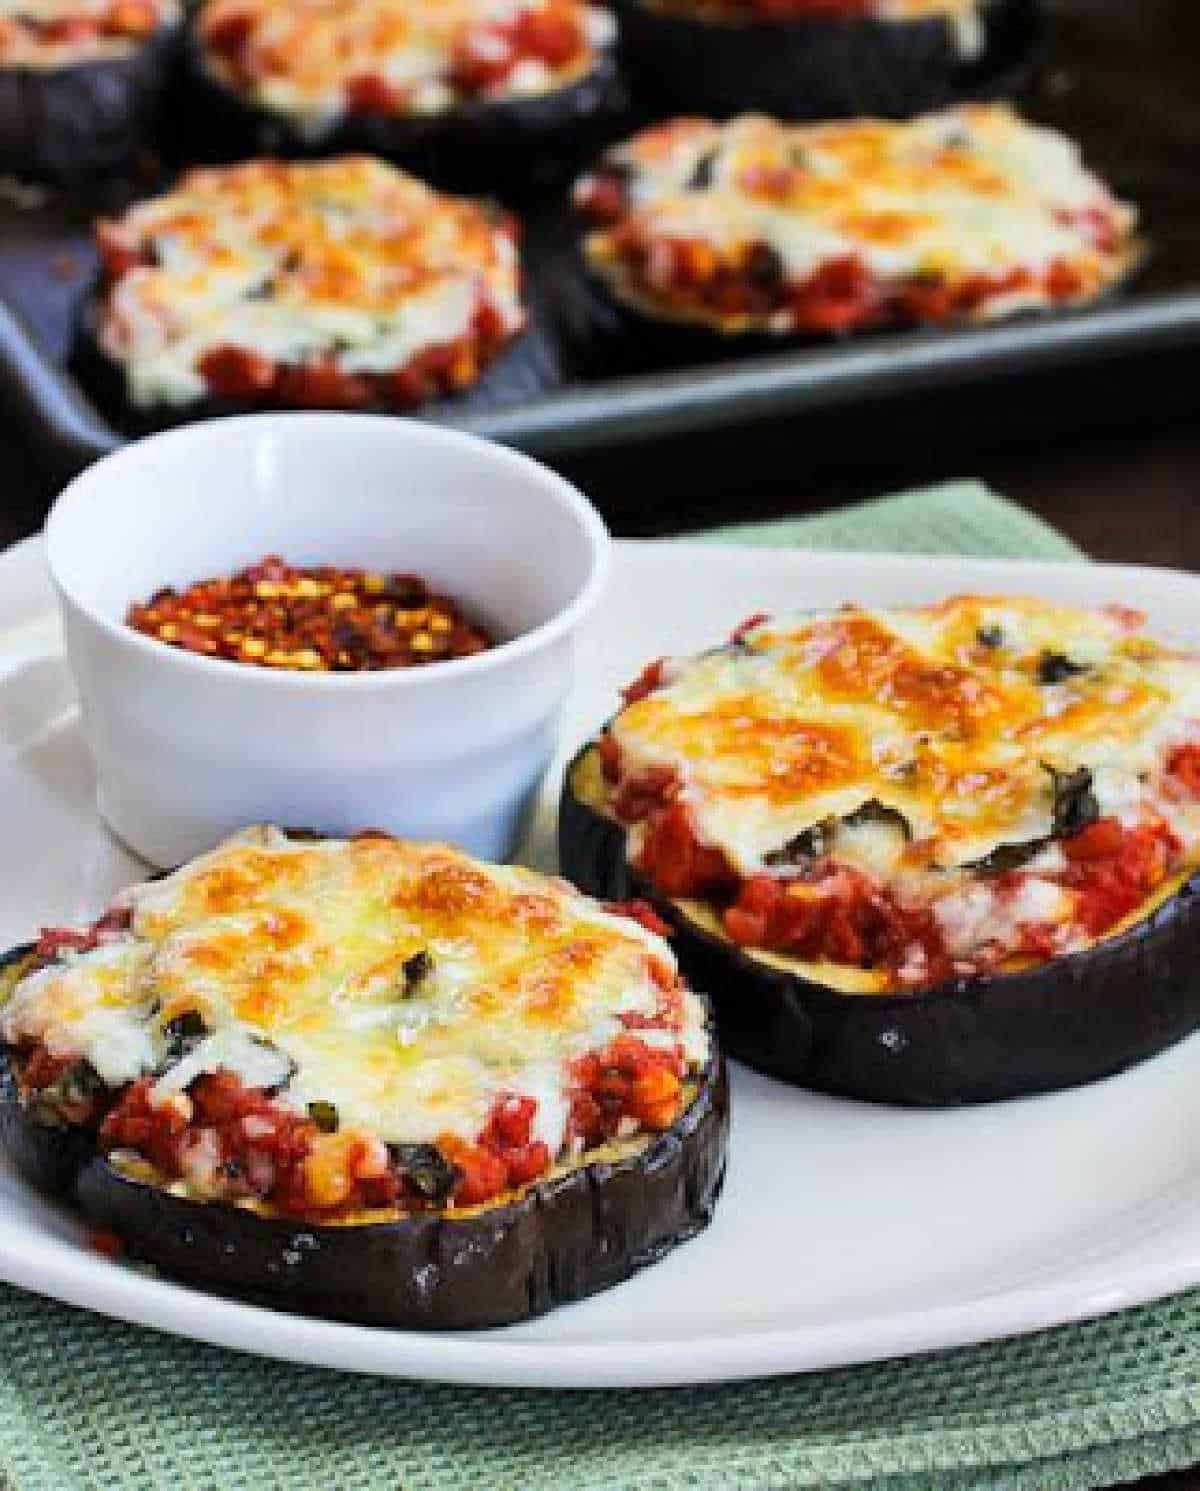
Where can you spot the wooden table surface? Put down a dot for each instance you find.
(1127, 491)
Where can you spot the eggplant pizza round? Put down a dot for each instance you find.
(342, 283)
(933, 854)
(754, 228)
(368, 1079)
(476, 94)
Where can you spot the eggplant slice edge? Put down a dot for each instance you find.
(578, 1232)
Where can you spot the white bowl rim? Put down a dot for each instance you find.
(536, 639)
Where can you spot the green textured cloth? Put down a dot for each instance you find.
(957, 517)
(88, 1403)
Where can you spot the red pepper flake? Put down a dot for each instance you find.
(318, 619)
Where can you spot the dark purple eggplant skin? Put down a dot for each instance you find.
(1075, 1020)
(559, 1241)
(824, 67)
(513, 148)
(68, 124)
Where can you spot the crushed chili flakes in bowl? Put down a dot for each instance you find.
(314, 619)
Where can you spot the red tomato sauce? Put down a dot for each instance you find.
(839, 914)
(234, 1142)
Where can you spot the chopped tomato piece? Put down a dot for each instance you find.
(676, 862)
(111, 925)
(510, 1122)
(237, 373)
(1038, 941)
(132, 18)
(231, 37)
(483, 59)
(643, 792)
(117, 254)
(487, 322)
(842, 917)
(155, 1131)
(40, 1069)
(410, 386)
(1184, 765)
(927, 300)
(1114, 869)
(322, 385)
(1063, 280)
(610, 758)
(842, 294)
(228, 34)
(654, 1097)
(483, 1174)
(554, 38)
(751, 623)
(1102, 839)
(70, 30)
(370, 93)
(641, 912)
(935, 299)
(54, 940)
(602, 196)
(627, 1080)
(649, 679)
(525, 1162)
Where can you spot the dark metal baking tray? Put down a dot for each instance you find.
(1118, 75)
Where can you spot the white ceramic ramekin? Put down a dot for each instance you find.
(187, 748)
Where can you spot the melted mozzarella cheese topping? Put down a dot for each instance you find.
(973, 191)
(348, 259)
(812, 717)
(293, 954)
(297, 57)
(58, 33)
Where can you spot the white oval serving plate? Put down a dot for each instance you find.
(846, 1232)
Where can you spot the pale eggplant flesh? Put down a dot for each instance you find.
(1072, 1020)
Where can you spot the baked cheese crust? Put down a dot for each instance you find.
(348, 267)
(986, 760)
(297, 959)
(59, 33)
(755, 225)
(314, 61)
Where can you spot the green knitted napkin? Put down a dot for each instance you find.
(86, 1403)
(957, 517)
